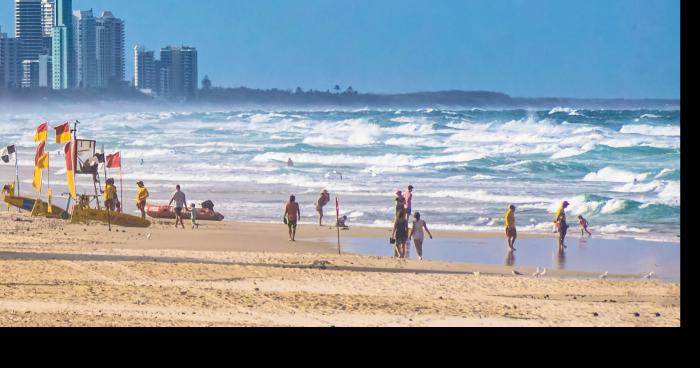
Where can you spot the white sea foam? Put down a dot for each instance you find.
(668, 130)
(639, 187)
(613, 206)
(671, 193)
(611, 174)
(567, 110)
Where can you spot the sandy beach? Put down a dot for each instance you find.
(243, 274)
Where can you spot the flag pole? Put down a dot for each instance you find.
(109, 219)
(121, 186)
(16, 173)
(337, 219)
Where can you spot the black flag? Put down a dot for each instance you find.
(6, 152)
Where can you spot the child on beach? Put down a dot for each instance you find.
(583, 224)
(193, 216)
(417, 234)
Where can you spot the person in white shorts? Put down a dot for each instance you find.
(417, 234)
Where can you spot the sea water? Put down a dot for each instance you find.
(618, 168)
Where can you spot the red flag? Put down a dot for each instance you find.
(39, 151)
(114, 160)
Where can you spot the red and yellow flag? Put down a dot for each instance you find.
(62, 133)
(41, 131)
(70, 175)
(39, 152)
(43, 161)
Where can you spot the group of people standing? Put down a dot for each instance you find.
(400, 235)
(560, 226)
(111, 201)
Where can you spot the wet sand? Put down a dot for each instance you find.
(238, 274)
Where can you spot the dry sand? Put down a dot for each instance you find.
(237, 274)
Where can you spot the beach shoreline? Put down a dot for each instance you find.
(241, 274)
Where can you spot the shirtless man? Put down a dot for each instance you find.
(292, 214)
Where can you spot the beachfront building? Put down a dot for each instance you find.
(109, 38)
(47, 17)
(47, 24)
(10, 62)
(30, 73)
(85, 45)
(181, 65)
(28, 28)
(63, 53)
(145, 72)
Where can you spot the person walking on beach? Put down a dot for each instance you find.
(400, 234)
(180, 203)
(583, 224)
(292, 214)
(417, 234)
(562, 226)
(408, 197)
(400, 203)
(511, 232)
(193, 216)
(323, 198)
(141, 196)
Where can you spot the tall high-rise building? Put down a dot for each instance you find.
(10, 62)
(181, 63)
(144, 69)
(63, 48)
(86, 49)
(110, 50)
(47, 10)
(47, 17)
(28, 28)
(45, 71)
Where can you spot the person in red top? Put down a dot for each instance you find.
(408, 197)
(583, 224)
(291, 217)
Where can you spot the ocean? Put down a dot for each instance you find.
(467, 166)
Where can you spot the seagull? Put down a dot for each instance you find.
(544, 272)
(148, 236)
(477, 273)
(649, 275)
(603, 276)
(516, 273)
(537, 273)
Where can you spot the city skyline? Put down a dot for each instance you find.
(623, 49)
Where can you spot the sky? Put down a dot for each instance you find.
(525, 48)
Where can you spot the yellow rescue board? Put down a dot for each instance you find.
(27, 204)
(84, 215)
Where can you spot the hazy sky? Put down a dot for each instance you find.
(592, 48)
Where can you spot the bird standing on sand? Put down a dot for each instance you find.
(477, 274)
(516, 273)
(649, 275)
(537, 273)
(603, 276)
(544, 272)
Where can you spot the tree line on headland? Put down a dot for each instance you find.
(336, 98)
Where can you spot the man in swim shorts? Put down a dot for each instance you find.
(511, 231)
(180, 202)
(291, 216)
